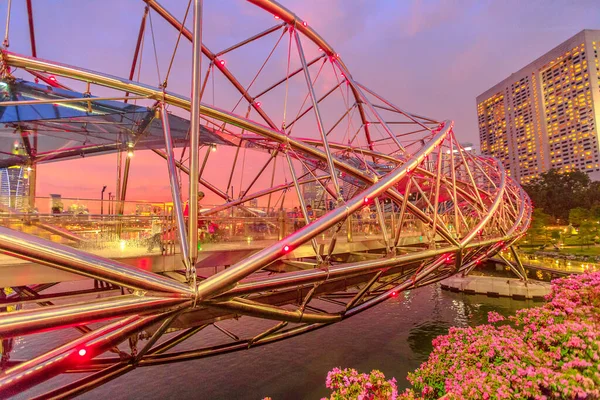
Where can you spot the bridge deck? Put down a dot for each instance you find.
(18, 272)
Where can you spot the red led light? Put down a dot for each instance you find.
(304, 23)
(366, 200)
(276, 16)
(320, 49)
(222, 62)
(82, 352)
(286, 248)
(52, 78)
(258, 103)
(394, 294)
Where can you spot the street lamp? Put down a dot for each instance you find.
(102, 200)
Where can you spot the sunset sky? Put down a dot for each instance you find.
(430, 57)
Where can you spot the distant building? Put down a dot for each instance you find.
(14, 187)
(470, 148)
(546, 115)
(466, 147)
(313, 192)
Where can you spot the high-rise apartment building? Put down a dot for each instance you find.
(547, 114)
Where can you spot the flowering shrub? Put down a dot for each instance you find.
(547, 351)
(349, 384)
(552, 351)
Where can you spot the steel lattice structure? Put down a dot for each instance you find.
(361, 150)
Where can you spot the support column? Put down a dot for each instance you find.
(183, 240)
(32, 172)
(195, 140)
(313, 97)
(124, 185)
(519, 263)
(303, 206)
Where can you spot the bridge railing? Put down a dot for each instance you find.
(95, 225)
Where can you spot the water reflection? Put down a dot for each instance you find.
(394, 337)
(420, 337)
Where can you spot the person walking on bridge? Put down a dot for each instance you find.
(155, 232)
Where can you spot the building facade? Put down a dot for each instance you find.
(14, 187)
(547, 114)
(313, 192)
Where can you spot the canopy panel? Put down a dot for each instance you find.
(58, 131)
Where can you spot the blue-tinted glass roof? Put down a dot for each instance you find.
(66, 130)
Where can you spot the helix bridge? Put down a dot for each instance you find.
(399, 202)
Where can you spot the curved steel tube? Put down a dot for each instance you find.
(223, 280)
(59, 256)
(46, 318)
(492, 203)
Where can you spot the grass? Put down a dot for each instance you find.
(591, 251)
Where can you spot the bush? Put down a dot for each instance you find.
(547, 351)
(552, 351)
(349, 384)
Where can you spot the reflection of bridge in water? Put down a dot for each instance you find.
(406, 206)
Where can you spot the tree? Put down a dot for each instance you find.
(579, 215)
(557, 192)
(593, 197)
(539, 223)
(595, 211)
(587, 231)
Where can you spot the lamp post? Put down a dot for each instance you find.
(102, 200)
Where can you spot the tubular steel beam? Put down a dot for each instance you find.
(194, 141)
(254, 309)
(174, 183)
(315, 106)
(45, 252)
(44, 367)
(35, 320)
(144, 90)
(494, 210)
(188, 35)
(31, 28)
(88, 383)
(225, 279)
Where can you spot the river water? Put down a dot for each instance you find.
(394, 337)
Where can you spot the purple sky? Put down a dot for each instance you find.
(430, 57)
